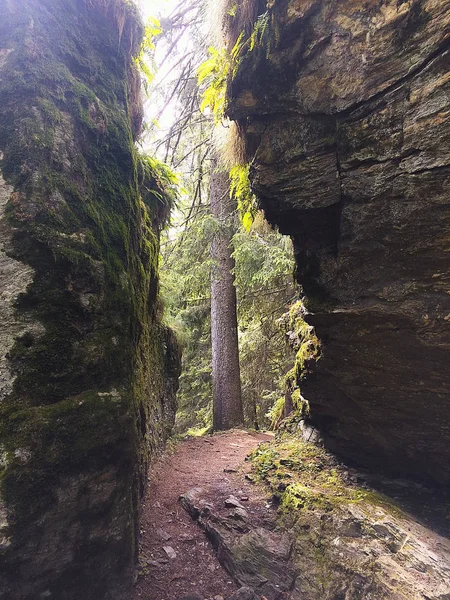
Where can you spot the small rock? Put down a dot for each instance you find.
(249, 477)
(398, 545)
(351, 528)
(230, 470)
(243, 498)
(156, 563)
(244, 593)
(163, 535)
(186, 538)
(170, 552)
(239, 514)
(218, 597)
(233, 502)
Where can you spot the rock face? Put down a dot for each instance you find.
(87, 372)
(346, 116)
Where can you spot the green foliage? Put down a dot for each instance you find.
(213, 74)
(185, 270)
(240, 189)
(265, 33)
(222, 64)
(263, 274)
(167, 189)
(264, 267)
(145, 59)
(265, 287)
(304, 340)
(264, 261)
(300, 406)
(275, 413)
(259, 31)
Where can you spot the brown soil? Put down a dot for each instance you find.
(199, 462)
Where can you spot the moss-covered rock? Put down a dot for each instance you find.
(348, 539)
(313, 528)
(88, 372)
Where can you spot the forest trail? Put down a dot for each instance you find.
(176, 560)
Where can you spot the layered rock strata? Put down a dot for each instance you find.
(87, 372)
(345, 108)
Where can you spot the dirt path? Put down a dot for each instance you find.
(176, 559)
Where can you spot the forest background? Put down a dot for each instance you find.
(186, 80)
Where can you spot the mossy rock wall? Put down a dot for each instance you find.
(87, 373)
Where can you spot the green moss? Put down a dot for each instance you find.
(304, 476)
(304, 340)
(296, 497)
(45, 443)
(80, 221)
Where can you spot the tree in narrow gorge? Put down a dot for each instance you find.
(227, 400)
(192, 90)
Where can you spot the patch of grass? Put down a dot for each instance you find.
(198, 431)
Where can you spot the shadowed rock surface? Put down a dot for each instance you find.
(346, 118)
(87, 372)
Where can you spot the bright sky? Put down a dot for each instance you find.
(153, 8)
(161, 9)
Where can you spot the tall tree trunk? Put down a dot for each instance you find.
(227, 400)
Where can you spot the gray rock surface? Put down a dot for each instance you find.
(254, 556)
(347, 123)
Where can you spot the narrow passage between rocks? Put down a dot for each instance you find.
(176, 559)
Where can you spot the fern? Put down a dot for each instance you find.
(259, 30)
(214, 73)
(223, 64)
(145, 59)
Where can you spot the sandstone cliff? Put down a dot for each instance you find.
(87, 372)
(345, 108)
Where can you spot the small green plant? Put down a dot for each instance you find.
(240, 189)
(214, 73)
(275, 414)
(260, 35)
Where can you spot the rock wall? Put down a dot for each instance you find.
(87, 372)
(345, 108)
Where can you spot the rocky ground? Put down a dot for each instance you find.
(176, 558)
(291, 522)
